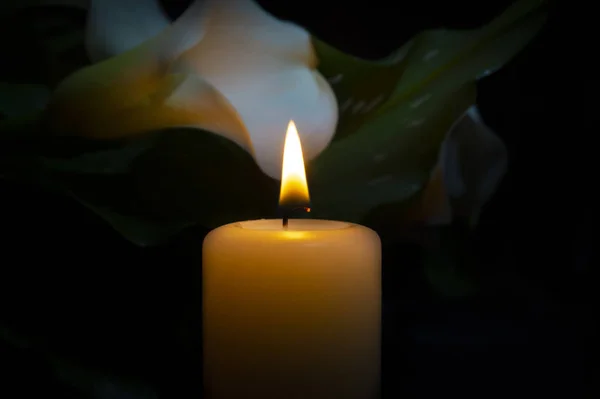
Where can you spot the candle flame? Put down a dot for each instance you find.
(294, 188)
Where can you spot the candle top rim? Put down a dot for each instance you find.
(305, 225)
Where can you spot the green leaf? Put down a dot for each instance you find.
(203, 177)
(18, 100)
(434, 58)
(106, 161)
(152, 187)
(140, 231)
(396, 112)
(20, 108)
(360, 86)
(19, 127)
(387, 160)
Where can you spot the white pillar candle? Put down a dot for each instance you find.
(292, 313)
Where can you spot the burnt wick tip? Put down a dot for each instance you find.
(286, 214)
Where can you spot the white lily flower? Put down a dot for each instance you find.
(229, 67)
(471, 164)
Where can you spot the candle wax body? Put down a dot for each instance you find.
(292, 314)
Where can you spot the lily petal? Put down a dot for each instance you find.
(135, 92)
(117, 26)
(474, 160)
(233, 57)
(265, 68)
(434, 206)
(471, 165)
(123, 98)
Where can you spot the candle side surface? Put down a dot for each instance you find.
(292, 314)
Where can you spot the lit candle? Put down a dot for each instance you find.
(292, 312)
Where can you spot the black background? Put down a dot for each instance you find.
(72, 289)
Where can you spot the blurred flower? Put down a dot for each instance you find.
(472, 162)
(410, 148)
(226, 67)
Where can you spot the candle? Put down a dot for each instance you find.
(292, 312)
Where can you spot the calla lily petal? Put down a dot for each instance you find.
(135, 92)
(264, 67)
(471, 165)
(434, 206)
(261, 71)
(119, 107)
(474, 160)
(117, 26)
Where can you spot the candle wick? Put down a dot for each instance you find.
(286, 214)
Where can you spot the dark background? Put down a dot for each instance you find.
(82, 309)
